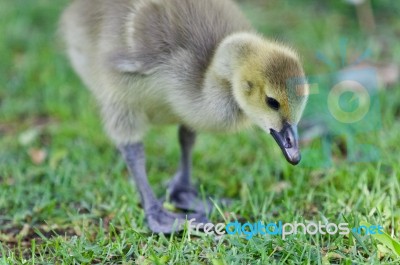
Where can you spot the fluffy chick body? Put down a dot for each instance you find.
(190, 62)
(197, 63)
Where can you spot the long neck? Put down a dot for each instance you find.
(210, 107)
(217, 96)
(217, 99)
(214, 107)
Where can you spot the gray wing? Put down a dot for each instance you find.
(164, 31)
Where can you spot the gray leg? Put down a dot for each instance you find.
(180, 190)
(158, 219)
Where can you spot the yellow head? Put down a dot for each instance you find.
(269, 86)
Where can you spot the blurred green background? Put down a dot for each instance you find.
(64, 193)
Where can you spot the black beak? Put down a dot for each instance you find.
(288, 141)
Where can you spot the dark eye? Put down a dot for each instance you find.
(273, 103)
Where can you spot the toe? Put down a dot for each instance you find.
(161, 221)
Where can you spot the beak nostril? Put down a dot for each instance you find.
(289, 142)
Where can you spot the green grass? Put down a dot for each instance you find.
(77, 207)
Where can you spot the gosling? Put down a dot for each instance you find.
(197, 64)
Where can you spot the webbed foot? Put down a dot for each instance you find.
(161, 221)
